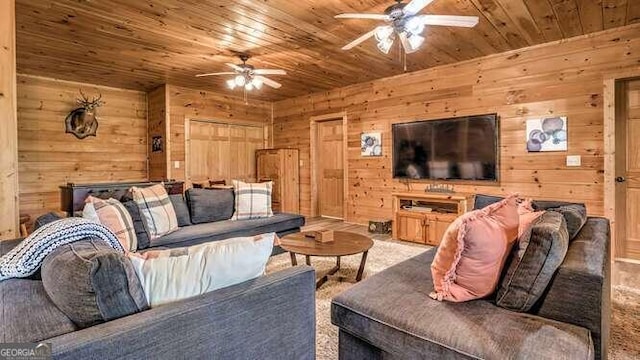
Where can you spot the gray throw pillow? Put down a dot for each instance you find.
(575, 215)
(181, 209)
(534, 260)
(138, 225)
(92, 283)
(209, 205)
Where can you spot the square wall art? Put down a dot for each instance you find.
(547, 134)
(371, 144)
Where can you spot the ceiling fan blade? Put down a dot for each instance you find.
(359, 40)
(269, 72)
(234, 67)
(269, 82)
(405, 44)
(218, 73)
(415, 6)
(362, 16)
(450, 20)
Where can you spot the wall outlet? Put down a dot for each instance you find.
(574, 160)
(176, 164)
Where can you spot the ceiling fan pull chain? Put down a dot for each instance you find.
(404, 60)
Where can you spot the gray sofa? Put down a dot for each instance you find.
(390, 315)
(271, 317)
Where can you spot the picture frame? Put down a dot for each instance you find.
(547, 134)
(371, 144)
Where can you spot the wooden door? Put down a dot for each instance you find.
(330, 169)
(220, 151)
(628, 171)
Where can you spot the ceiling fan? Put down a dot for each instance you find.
(248, 77)
(405, 23)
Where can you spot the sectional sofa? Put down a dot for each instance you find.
(390, 315)
(270, 317)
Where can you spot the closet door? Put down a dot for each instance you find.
(219, 151)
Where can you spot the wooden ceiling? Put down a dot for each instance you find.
(140, 44)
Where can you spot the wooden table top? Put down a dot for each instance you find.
(343, 244)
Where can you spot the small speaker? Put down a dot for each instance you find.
(381, 226)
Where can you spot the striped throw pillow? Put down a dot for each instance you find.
(115, 217)
(252, 201)
(157, 212)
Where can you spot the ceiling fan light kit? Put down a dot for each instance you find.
(405, 24)
(247, 77)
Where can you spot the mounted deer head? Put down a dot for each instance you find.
(89, 105)
(82, 121)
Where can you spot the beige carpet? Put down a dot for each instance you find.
(625, 328)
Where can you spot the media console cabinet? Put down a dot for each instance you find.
(424, 217)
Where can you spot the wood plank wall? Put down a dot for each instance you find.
(205, 105)
(560, 78)
(158, 123)
(48, 157)
(8, 124)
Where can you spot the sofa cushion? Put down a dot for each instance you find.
(209, 205)
(138, 224)
(198, 234)
(181, 208)
(473, 250)
(175, 274)
(392, 311)
(45, 219)
(92, 283)
(535, 258)
(156, 210)
(252, 200)
(27, 313)
(575, 215)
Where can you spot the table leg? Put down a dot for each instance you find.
(325, 277)
(362, 263)
(308, 260)
(294, 261)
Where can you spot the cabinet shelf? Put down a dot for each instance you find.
(414, 222)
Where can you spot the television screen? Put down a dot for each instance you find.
(463, 148)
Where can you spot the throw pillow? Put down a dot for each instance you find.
(92, 283)
(535, 258)
(181, 209)
(252, 200)
(138, 224)
(156, 210)
(210, 205)
(575, 215)
(112, 214)
(469, 260)
(175, 274)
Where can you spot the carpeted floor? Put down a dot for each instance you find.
(625, 328)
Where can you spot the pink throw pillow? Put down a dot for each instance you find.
(473, 250)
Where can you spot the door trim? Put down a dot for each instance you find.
(611, 84)
(313, 122)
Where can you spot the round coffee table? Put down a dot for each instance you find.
(343, 244)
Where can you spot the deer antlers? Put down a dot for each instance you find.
(89, 104)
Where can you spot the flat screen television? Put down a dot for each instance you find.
(461, 148)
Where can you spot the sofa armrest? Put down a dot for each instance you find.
(579, 293)
(271, 317)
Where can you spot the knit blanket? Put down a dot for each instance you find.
(27, 257)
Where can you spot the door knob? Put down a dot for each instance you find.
(620, 179)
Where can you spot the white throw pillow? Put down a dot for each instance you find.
(176, 274)
(252, 200)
